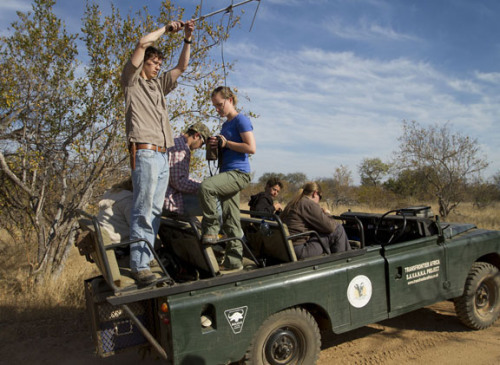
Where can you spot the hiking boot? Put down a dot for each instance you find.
(154, 263)
(144, 277)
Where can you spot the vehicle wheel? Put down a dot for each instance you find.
(479, 306)
(288, 337)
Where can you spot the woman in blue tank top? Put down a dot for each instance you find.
(237, 142)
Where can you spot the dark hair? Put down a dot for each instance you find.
(274, 181)
(152, 52)
(226, 93)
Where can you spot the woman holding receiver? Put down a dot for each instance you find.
(237, 141)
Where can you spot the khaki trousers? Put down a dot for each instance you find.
(226, 188)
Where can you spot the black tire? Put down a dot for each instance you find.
(288, 337)
(479, 306)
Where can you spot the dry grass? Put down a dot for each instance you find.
(488, 217)
(22, 299)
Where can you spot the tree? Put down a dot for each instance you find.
(448, 160)
(296, 179)
(496, 180)
(372, 170)
(61, 136)
(339, 189)
(483, 193)
(409, 183)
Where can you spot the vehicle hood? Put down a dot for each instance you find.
(453, 229)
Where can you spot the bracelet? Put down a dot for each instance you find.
(187, 41)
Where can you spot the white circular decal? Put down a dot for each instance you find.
(359, 291)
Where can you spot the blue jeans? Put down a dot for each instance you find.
(150, 180)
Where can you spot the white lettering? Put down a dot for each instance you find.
(423, 271)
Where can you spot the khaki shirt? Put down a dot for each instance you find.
(146, 114)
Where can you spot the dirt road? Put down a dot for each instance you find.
(432, 335)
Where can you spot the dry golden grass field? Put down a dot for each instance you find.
(48, 325)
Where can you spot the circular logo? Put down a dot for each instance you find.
(359, 291)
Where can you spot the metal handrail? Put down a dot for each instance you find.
(102, 249)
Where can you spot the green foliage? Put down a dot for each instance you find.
(409, 183)
(295, 180)
(372, 170)
(448, 160)
(483, 193)
(338, 190)
(63, 135)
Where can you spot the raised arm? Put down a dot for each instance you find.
(183, 63)
(150, 38)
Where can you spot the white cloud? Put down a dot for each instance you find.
(8, 9)
(492, 77)
(320, 109)
(14, 5)
(364, 30)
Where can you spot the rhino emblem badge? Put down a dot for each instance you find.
(236, 317)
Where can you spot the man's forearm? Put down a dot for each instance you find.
(183, 63)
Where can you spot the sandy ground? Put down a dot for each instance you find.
(432, 335)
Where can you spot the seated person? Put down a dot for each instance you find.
(115, 213)
(264, 201)
(182, 190)
(304, 214)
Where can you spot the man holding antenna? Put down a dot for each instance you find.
(149, 135)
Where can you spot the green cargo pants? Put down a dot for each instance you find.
(225, 187)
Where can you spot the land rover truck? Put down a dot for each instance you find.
(274, 311)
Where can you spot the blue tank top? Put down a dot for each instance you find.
(232, 160)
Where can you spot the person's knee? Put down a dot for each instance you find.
(206, 188)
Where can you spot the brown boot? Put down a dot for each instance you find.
(144, 277)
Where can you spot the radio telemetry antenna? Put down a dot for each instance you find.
(227, 10)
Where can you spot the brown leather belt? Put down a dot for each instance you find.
(149, 146)
(133, 147)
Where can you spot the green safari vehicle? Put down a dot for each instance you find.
(274, 310)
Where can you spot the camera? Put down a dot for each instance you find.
(212, 153)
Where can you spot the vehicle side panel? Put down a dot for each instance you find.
(324, 285)
(416, 274)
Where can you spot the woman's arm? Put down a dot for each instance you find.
(247, 146)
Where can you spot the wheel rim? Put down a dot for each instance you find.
(283, 346)
(485, 298)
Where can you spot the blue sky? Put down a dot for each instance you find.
(333, 80)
